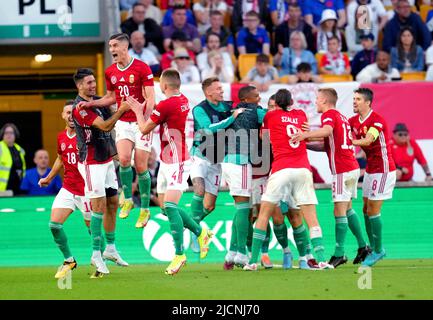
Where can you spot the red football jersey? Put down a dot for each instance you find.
(67, 149)
(282, 125)
(129, 82)
(171, 114)
(338, 145)
(85, 119)
(379, 155)
(405, 155)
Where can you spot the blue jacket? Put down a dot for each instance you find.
(288, 58)
(392, 29)
(417, 65)
(30, 184)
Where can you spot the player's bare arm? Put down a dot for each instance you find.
(144, 126)
(149, 96)
(108, 125)
(58, 164)
(324, 132)
(365, 142)
(107, 100)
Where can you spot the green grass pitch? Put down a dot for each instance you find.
(390, 279)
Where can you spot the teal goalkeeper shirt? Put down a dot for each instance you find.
(241, 158)
(203, 122)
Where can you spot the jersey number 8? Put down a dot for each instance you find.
(291, 131)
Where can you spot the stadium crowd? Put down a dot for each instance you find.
(204, 38)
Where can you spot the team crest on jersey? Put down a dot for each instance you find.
(83, 113)
(131, 79)
(63, 146)
(113, 79)
(410, 151)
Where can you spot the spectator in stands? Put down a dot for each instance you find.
(125, 5)
(404, 151)
(429, 56)
(294, 23)
(242, 7)
(252, 38)
(152, 11)
(327, 29)
(380, 71)
(179, 40)
(304, 74)
(217, 68)
(356, 28)
(138, 51)
(313, 9)
(213, 44)
(180, 24)
(405, 18)
(167, 20)
(189, 73)
(12, 161)
(262, 75)
(202, 10)
(30, 185)
(296, 54)
(364, 57)
(333, 61)
(407, 56)
(279, 11)
(217, 26)
(148, 26)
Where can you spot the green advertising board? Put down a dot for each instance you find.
(25, 238)
(41, 19)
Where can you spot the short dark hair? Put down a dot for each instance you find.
(212, 34)
(366, 93)
(283, 99)
(208, 82)
(272, 97)
(215, 13)
(135, 5)
(172, 77)
(334, 37)
(252, 13)
(120, 37)
(81, 73)
(69, 103)
(262, 58)
(245, 91)
(178, 7)
(11, 125)
(303, 67)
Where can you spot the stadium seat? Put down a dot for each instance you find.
(123, 15)
(284, 79)
(413, 76)
(336, 78)
(246, 62)
(423, 11)
(227, 20)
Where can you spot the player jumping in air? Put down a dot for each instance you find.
(371, 134)
(171, 114)
(345, 172)
(71, 196)
(96, 150)
(129, 77)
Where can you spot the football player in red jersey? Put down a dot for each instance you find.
(171, 114)
(129, 77)
(290, 176)
(371, 134)
(345, 172)
(71, 196)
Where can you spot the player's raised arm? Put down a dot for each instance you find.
(58, 164)
(108, 125)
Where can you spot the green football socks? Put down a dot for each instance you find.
(60, 238)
